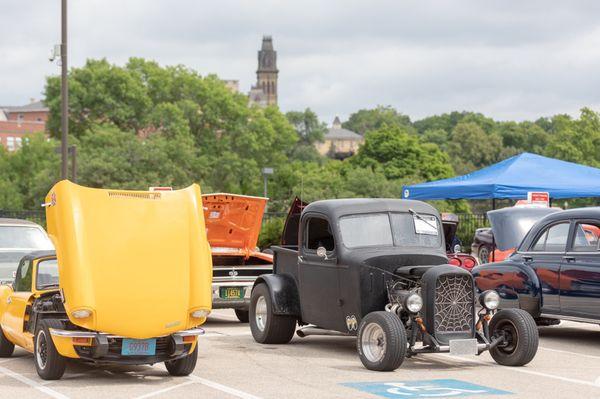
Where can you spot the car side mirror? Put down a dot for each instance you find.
(322, 253)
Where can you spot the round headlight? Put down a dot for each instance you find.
(81, 314)
(413, 303)
(198, 314)
(490, 299)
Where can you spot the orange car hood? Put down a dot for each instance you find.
(233, 222)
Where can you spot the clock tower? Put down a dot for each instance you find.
(266, 74)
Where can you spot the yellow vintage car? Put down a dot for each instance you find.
(130, 281)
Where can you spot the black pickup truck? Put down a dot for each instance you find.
(377, 269)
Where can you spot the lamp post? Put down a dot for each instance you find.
(266, 172)
(64, 94)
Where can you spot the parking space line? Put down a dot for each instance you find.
(538, 373)
(223, 388)
(167, 389)
(569, 352)
(32, 383)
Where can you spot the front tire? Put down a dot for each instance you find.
(50, 365)
(266, 327)
(242, 315)
(6, 347)
(521, 337)
(184, 366)
(381, 341)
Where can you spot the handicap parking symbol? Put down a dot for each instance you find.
(444, 388)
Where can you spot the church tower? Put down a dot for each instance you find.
(266, 74)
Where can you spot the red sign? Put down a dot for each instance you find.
(538, 198)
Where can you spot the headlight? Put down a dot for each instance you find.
(198, 314)
(489, 299)
(81, 314)
(413, 303)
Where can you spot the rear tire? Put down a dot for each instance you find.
(6, 347)
(266, 327)
(522, 337)
(184, 366)
(242, 315)
(50, 365)
(381, 342)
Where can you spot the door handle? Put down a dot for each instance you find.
(569, 258)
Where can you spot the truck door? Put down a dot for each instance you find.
(317, 275)
(16, 303)
(546, 256)
(580, 273)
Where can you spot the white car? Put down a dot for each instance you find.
(17, 239)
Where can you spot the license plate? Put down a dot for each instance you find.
(138, 347)
(460, 347)
(232, 292)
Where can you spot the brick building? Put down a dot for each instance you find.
(16, 122)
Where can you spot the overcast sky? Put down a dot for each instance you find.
(506, 59)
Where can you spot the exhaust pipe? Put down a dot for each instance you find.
(306, 331)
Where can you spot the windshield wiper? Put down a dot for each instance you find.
(415, 214)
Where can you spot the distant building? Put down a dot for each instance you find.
(264, 92)
(339, 143)
(16, 122)
(233, 85)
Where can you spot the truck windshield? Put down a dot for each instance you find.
(390, 229)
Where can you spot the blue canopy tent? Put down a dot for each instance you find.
(512, 179)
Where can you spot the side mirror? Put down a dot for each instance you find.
(457, 248)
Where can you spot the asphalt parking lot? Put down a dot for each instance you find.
(232, 365)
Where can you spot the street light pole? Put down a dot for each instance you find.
(64, 94)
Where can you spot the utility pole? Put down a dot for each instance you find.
(64, 94)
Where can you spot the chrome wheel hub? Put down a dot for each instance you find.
(260, 313)
(373, 342)
(41, 349)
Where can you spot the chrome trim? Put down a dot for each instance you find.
(570, 318)
(191, 332)
(232, 283)
(245, 267)
(90, 334)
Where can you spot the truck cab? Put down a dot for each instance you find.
(377, 269)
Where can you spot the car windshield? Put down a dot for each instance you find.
(16, 242)
(390, 229)
(47, 274)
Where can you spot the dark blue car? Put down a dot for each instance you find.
(555, 272)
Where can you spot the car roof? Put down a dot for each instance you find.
(341, 207)
(575, 213)
(23, 222)
(39, 254)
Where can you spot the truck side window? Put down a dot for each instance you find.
(319, 234)
(553, 239)
(23, 278)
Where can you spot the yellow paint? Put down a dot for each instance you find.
(65, 347)
(139, 261)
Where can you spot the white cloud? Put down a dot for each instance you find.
(507, 59)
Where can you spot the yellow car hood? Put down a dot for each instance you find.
(138, 261)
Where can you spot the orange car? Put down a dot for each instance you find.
(233, 224)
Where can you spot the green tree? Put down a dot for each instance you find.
(366, 120)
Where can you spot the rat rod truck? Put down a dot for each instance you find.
(377, 269)
(130, 281)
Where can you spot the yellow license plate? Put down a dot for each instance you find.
(232, 292)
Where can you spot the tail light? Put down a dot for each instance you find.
(469, 263)
(455, 261)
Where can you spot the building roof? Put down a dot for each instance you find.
(337, 132)
(35, 106)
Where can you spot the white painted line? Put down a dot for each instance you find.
(538, 373)
(167, 389)
(569, 352)
(32, 383)
(223, 388)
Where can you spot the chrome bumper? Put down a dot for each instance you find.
(92, 334)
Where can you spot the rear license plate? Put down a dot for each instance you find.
(460, 347)
(138, 347)
(232, 292)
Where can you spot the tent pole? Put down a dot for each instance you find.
(493, 238)
(493, 204)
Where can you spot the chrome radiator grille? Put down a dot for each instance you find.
(454, 304)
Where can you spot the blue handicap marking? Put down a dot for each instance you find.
(445, 388)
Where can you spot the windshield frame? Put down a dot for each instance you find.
(440, 234)
(35, 284)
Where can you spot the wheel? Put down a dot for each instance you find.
(50, 365)
(381, 341)
(6, 347)
(266, 327)
(521, 337)
(242, 315)
(184, 366)
(484, 254)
